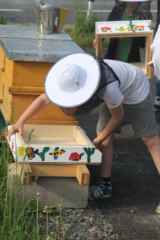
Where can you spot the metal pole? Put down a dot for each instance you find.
(90, 7)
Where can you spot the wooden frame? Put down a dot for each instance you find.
(54, 151)
(27, 171)
(53, 144)
(148, 41)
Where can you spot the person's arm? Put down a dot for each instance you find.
(115, 121)
(95, 43)
(40, 103)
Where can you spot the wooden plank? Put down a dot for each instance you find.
(51, 112)
(50, 122)
(1, 90)
(26, 173)
(7, 101)
(48, 131)
(5, 79)
(27, 73)
(148, 56)
(27, 67)
(81, 138)
(100, 47)
(51, 170)
(98, 52)
(2, 57)
(9, 69)
(83, 175)
(124, 34)
(26, 90)
(35, 79)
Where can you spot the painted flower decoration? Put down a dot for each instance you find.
(129, 29)
(139, 28)
(105, 29)
(122, 29)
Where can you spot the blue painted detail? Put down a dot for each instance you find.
(55, 157)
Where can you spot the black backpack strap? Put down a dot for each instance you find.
(100, 60)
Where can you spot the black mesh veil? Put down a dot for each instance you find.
(143, 9)
(107, 76)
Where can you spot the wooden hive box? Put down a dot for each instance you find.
(59, 151)
(117, 29)
(23, 75)
(19, 90)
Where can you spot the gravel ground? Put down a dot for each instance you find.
(78, 224)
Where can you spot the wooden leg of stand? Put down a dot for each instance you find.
(26, 175)
(83, 175)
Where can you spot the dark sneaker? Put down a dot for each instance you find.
(99, 191)
(157, 104)
(158, 209)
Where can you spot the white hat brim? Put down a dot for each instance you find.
(84, 93)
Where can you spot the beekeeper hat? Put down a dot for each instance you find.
(73, 80)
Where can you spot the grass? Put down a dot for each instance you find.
(82, 40)
(3, 20)
(15, 214)
(83, 30)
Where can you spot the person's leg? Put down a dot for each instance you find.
(143, 121)
(107, 156)
(103, 189)
(157, 98)
(153, 145)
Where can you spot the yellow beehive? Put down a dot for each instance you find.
(20, 84)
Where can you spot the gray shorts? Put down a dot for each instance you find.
(140, 115)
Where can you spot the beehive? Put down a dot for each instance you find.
(24, 63)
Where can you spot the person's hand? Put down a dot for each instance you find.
(17, 127)
(97, 143)
(94, 43)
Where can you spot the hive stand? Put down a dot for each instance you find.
(148, 41)
(27, 171)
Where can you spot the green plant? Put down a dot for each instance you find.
(82, 23)
(83, 30)
(16, 216)
(3, 20)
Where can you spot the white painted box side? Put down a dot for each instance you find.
(123, 26)
(56, 154)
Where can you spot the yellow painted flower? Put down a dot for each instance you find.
(21, 151)
(122, 29)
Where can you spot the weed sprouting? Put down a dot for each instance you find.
(3, 20)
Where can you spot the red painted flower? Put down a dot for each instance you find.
(106, 29)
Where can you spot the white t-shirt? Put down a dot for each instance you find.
(133, 88)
